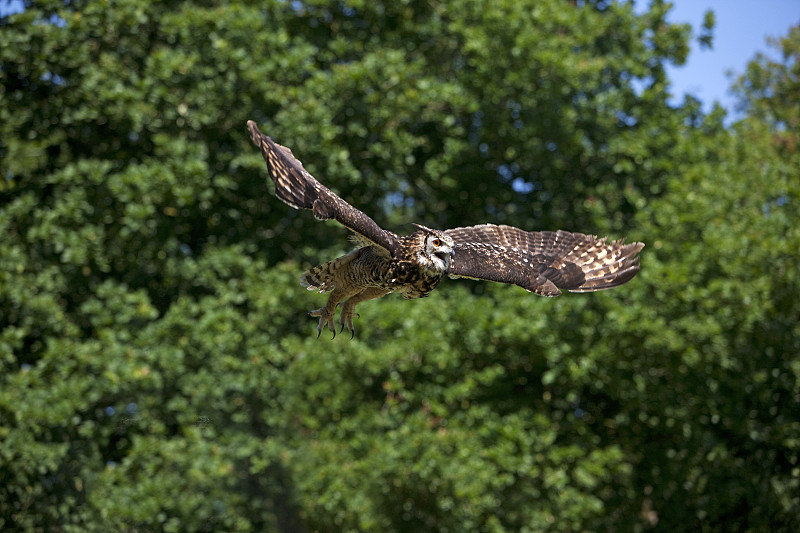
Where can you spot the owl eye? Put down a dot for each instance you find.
(437, 242)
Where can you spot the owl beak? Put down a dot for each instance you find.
(445, 257)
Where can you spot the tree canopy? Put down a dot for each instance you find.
(158, 370)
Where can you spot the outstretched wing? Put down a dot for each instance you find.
(543, 262)
(296, 187)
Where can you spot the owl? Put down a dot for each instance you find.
(542, 262)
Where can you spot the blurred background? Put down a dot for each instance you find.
(159, 372)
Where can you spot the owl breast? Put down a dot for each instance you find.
(410, 280)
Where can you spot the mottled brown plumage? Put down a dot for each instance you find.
(543, 262)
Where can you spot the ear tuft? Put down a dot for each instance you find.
(422, 228)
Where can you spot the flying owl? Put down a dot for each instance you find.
(543, 262)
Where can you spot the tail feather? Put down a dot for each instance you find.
(318, 279)
(323, 278)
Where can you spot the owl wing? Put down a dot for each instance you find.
(296, 187)
(544, 262)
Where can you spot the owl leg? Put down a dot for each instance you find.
(326, 313)
(349, 306)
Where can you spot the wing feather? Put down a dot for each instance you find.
(299, 189)
(544, 262)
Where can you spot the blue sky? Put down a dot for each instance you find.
(741, 29)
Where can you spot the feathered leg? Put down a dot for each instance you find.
(326, 313)
(325, 278)
(349, 307)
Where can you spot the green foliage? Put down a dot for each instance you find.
(158, 370)
(768, 89)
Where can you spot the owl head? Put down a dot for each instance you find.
(436, 250)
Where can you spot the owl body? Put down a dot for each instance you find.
(423, 262)
(543, 262)
(413, 274)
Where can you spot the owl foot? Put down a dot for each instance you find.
(346, 319)
(325, 319)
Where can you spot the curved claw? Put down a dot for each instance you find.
(325, 318)
(346, 319)
(326, 315)
(319, 332)
(352, 330)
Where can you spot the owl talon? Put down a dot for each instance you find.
(325, 319)
(326, 314)
(346, 319)
(319, 332)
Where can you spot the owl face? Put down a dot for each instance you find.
(437, 251)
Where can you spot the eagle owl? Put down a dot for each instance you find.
(543, 262)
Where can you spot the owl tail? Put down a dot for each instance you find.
(323, 278)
